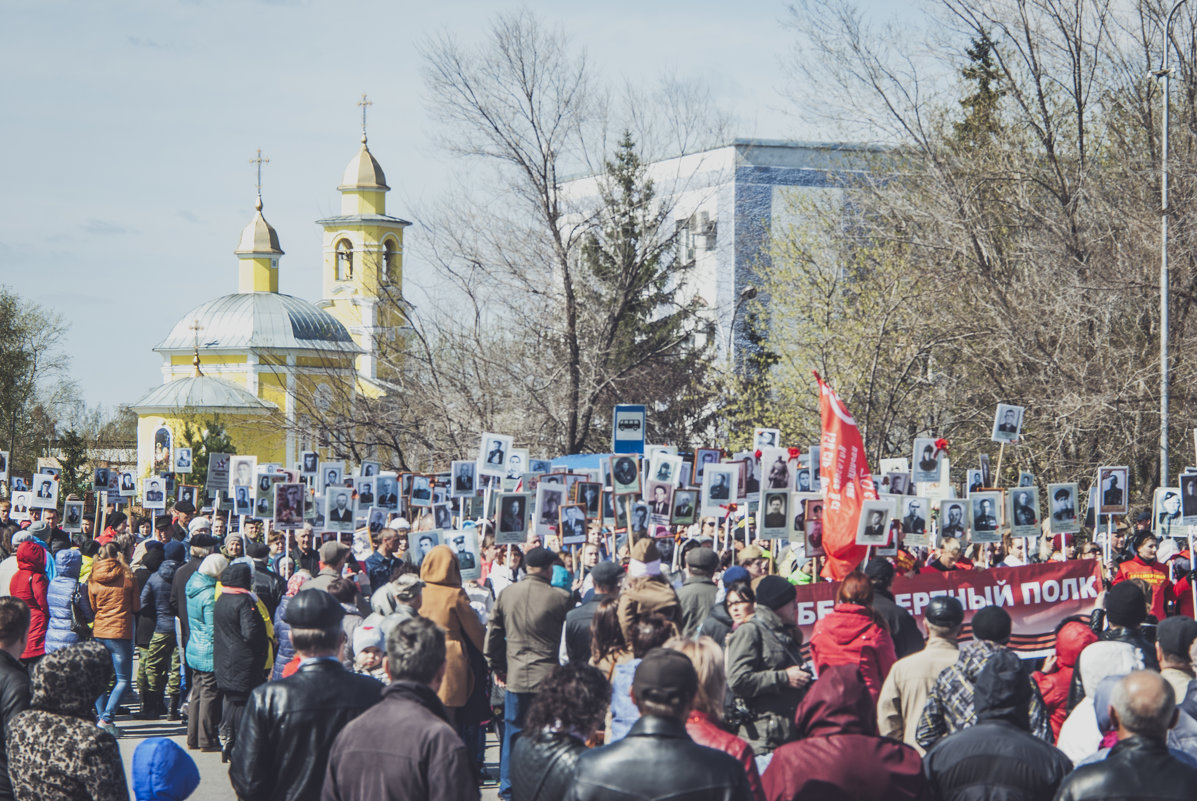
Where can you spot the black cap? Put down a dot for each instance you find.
(992, 624)
(202, 540)
(313, 609)
(607, 574)
(879, 569)
(704, 559)
(775, 592)
(186, 507)
(1144, 517)
(1175, 635)
(539, 557)
(944, 610)
(1125, 605)
(163, 522)
(665, 676)
(238, 574)
(257, 550)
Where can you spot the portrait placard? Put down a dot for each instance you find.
(421, 492)
(464, 478)
(309, 463)
(774, 514)
(153, 493)
(20, 505)
(45, 491)
(984, 516)
(776, 469)
(182, 460)
(1113, 485)
(189, 493)
(685, 507)
(517, 462)
(1026, 478)
(376, 519)
(873, 528)
(549, 500)
(369, 469)
(572, 524)
(812, 524)
(511, 522)
(974, 482)
(659, 496)
(719, 486)
(99, 480)
(492, 454)
(423, 542)
(639, 523)
(540, 466)
(1165, 512)
(926, 461)
(1022, 511)
(465, 544)
(766, 438)
(1062, 499)
(289, 505)
(590, 495)
(241, 471)
(1188, 498)
(702, 458)
(4, 466)
(243, 500)
(442, 515)
(217, 479)
(914, 522)
(363, 488)
(665, 468)
(625, 474)
(72, 516)
(1007, 423)
(264, 497)
(338, 509)
(332, 474)
(387, 496)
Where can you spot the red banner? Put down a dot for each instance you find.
(1037, 597)
(846, 483)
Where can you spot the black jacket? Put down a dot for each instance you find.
(289, 726)
(268, 586)
(717, 625)
(542, 765)
(238, 643)
(156, 596)
(14, 697)
(577, 629)
(1134, 767)
(905, 632)
(657, 759)
(178, 595)
(994, 759)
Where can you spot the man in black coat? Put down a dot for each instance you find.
(239, 647)
(289, 725)
(1142, 709)
(974, 760)
(902, 628)
(14, 678)
(657, 759)
(269, 586)
(576, 636)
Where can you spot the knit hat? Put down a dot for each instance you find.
(369, 635)
(1125, 605)
(163, 770)
(237, 574)
(879, 570)
(213, 565)
(775, 592)
(174, 550)
(198, 524)
(1175, 635)
(39, 529)
(734, 574)
(992, 624)
(115, 519)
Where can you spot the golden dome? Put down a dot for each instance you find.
(363, 172)
(259, 236)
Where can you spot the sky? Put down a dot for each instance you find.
(128, 130)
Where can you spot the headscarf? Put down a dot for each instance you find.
(296, 581)
(213, 565)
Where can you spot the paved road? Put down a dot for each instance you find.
(214, 776)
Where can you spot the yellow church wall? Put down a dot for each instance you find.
(261, 435)
(208, 359)
(257, 274)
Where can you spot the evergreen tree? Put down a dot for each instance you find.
(205, 437)
(76, 478)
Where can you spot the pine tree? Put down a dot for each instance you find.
(75, 478)
(204, 438)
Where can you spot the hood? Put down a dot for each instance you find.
(1071, 640)
(440, 567)
(31, 557)
(198, 583)
(107, 571)
(1107, 658)
(847, 623)
(68, 562)
(974, 655)
(1101, 702)
(837, 703)
(163, 771)
(167, 571)
(69, 680)
(1002, 690)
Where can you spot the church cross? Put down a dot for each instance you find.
(195, 329)
(364, 103)
(259, 161)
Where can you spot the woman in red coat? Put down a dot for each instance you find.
(1145, 566)
(853, 634)
(30, 585)
(1056, 677)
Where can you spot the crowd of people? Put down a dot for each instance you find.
(641, 668)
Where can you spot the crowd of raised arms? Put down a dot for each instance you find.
(362, 666)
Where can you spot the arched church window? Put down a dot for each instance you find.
(390, 260)
(344, 260)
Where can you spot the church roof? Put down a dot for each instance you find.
(259, 320)
(259, 236)
(363, 172)
(201, 392)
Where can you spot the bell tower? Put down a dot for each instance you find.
(258, 250)
(363, 266)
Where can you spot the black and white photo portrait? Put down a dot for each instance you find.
(289, 505)
(1112, 483)
(512, 525)
(421, 491)
(549, 500)
(517, 463)
(952, 521)
(985, 516)
(369, 469)
(241, 471)
(774, 514)
(72, 516)
(309, 463)
(719, 487)
(914, 515)
(442, 516)
(387, 492)
(1023, 512)
(625, 474)
(1166, 510)
(182, 460)
(338, 509)
(589, 494)
(422, 543)
(1007, 423)
(685, 507)
(243, 502)
(492, 454)
(572, 524)
(463, 478)
(100, 479)
(1062, 506)
(702, 458)
(763, 438)
(154, 496)
(926, 461)
(873, 528)
(465, 544)
(975, 481)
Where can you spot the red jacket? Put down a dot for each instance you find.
(30, 584)
(1156, 576)
(840, 754)
(703, 731)
(848, 636)
(1071, 640)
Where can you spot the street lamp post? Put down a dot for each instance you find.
(1166, 73)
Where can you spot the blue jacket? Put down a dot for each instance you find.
(282, 630)
(156, 595)
(162, 771)
(67, 564)
(201, 601)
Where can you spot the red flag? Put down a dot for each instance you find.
(847, 482)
